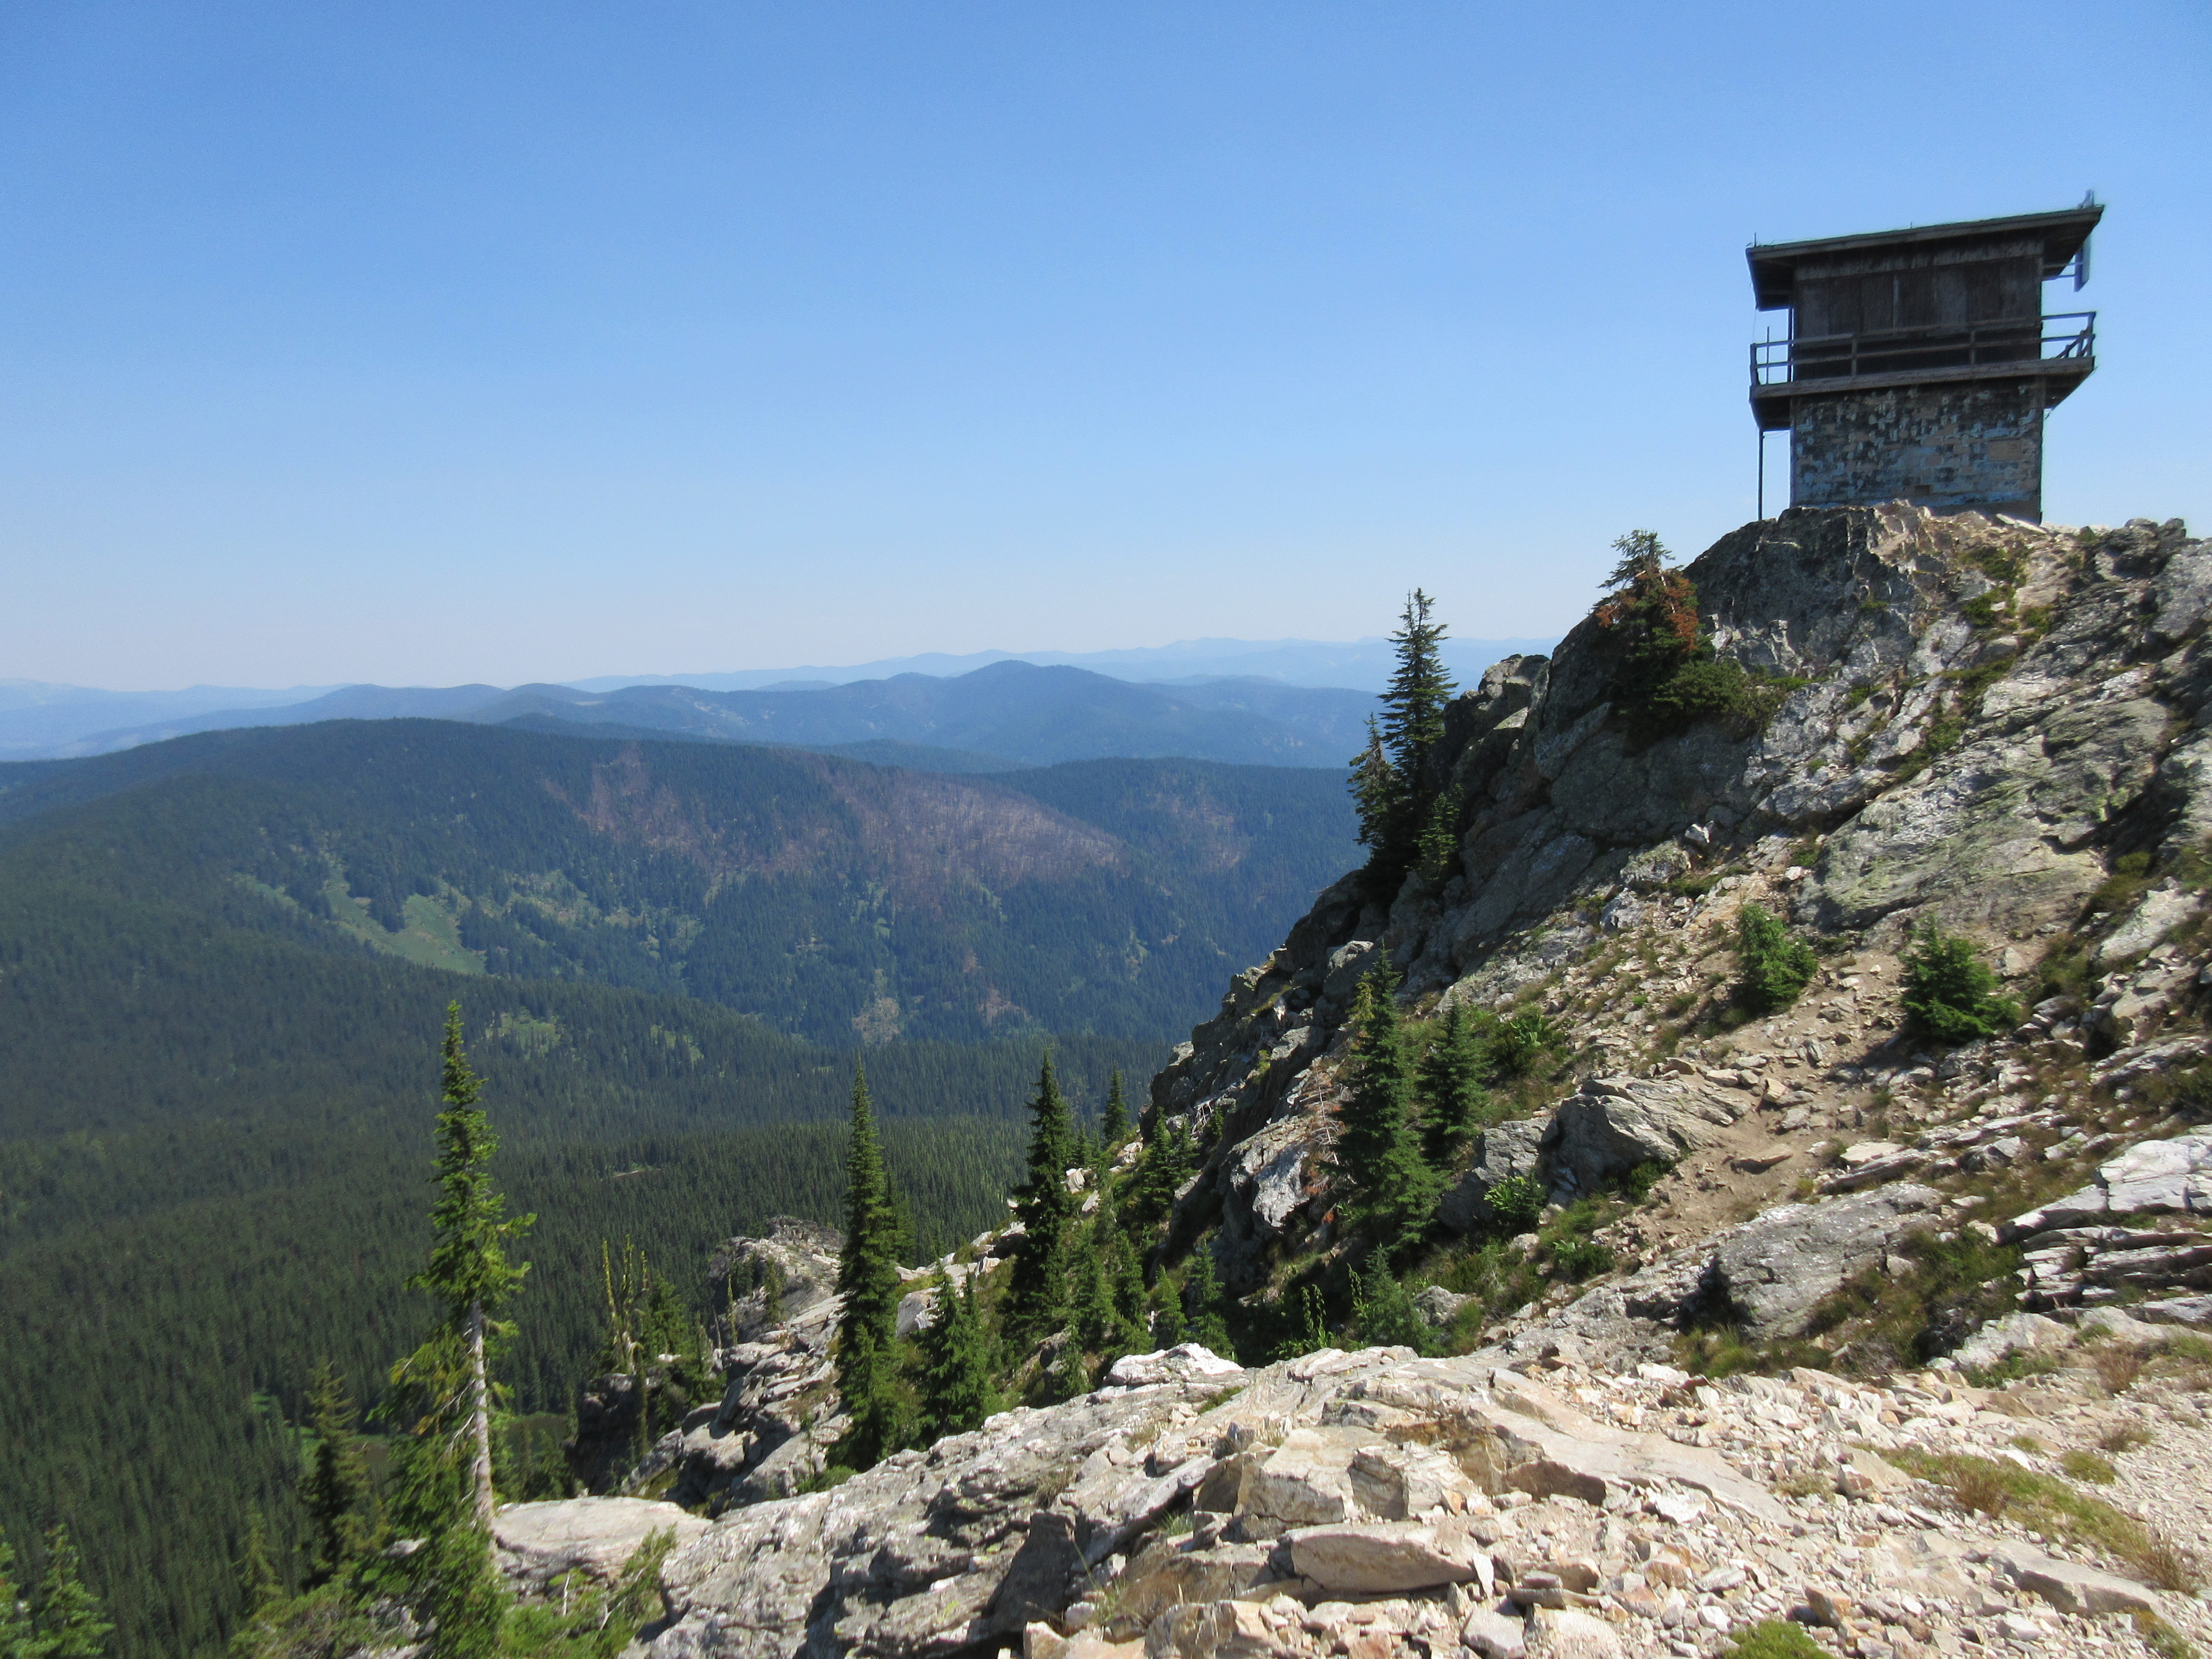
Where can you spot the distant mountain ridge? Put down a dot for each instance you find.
(39, 721)
(1012, 712)
(1350, 664)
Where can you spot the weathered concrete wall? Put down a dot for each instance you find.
(1948, 448)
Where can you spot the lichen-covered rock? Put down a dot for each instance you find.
(1612, 1125)
(2152, 1177)
(1501, 1151)
(971, 1539)
(1775, 1267)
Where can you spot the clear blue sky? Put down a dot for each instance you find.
(431, 343)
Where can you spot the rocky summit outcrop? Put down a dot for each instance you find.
(1970, 719)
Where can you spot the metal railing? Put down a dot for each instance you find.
(1903, 350)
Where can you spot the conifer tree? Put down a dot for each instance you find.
(469, 1271)
(1383, 1312)
(1414, 707)
(16, 1636)
(867, 1279)
(1125, 1275)
(1393, 1190)
(450, 1575)
(956, 1394)
(1166, 1307)
(1170, 1157)
(257, 1574)
(1114, 1128)
(337, 1478)
(1202, 1320)
(1091, 1309)
(1451, 1091)
(1036, 1294)
(66, 1613)
(1393, 779)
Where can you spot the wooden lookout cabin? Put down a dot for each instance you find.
(1919, 364)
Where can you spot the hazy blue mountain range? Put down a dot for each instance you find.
(39, 721)
(1010, 712)
(1355, 664)
(38, 717)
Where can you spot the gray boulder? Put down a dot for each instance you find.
(1612, 1124)
(1383, 1557)
(1775, 1267)
(534, 1543)
(1504, 1149)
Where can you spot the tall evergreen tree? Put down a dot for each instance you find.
(257, 1573)
(1392, 1189)
(956, 1392)
(17, 1634)
(1036, 1294)
(1404, 813)
(1202, 1319)
(1451, 1091)
(1171, 1159)
(868, 1280)
(67, 1614)
(469, 1271)
(1414, 707)
(338, 1477)
(1113, 1128)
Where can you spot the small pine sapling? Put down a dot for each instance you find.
(1393, 1191)
(1383, 1312)
(1201, 1300)
(1950, 992)
(1773, 964)
(1113, 1127)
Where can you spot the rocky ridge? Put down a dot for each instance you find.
(1980, 723)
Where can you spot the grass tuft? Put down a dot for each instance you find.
(2088, 1465)
(2043, 1504)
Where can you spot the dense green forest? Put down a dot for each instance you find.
(215, 1113)
(837, 901)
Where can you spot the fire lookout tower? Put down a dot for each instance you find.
(1919, 363)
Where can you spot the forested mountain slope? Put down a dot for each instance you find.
(837, 901)
(212, 1176)
(217, 1064)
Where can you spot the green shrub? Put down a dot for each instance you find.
(1951, 992)
(1515, 1203)
(1577, 1259)
(1698, 690)
(1775, 1639)
(1517, 1043)
(1636, 1186)
(1774, 965)
(2088, 1465)
(1382, 1312)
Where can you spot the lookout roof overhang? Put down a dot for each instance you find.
(1774, 264)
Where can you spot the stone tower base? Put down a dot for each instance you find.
(1948, 448)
